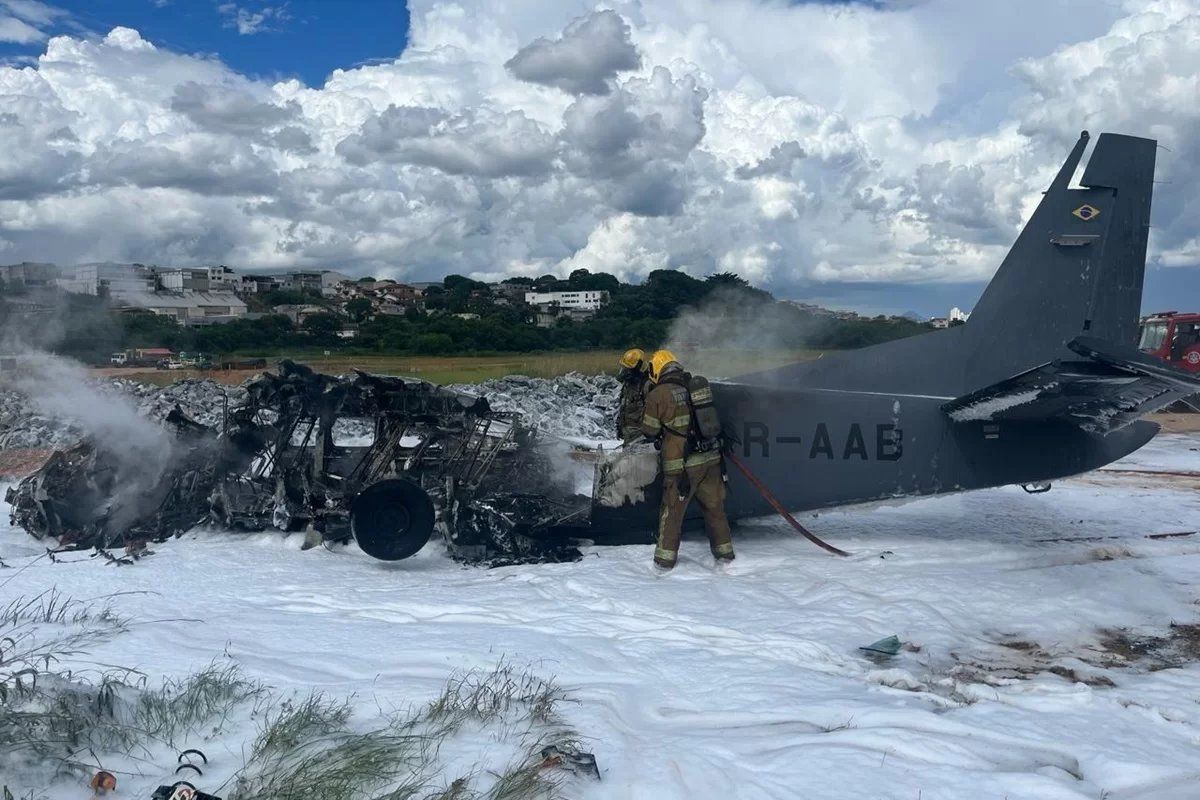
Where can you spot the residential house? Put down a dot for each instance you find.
(400, 294)
(298, 313)
(303, 281)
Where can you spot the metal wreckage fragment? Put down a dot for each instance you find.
(438, 459)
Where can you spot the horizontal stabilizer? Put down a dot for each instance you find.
(1112, 387)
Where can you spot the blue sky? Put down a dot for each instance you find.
(305, 39)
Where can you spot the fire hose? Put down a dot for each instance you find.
(783, 512)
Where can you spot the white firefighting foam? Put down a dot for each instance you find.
(747, 683)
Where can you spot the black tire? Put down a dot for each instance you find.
(392, 519)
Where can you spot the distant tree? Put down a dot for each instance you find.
(451, 282)
(519, 281)
(436, 298)
(434, 344)
(546, 283)
(367, 279)
(727, 279)
(358, 308)
(603, 281)
(323, 328)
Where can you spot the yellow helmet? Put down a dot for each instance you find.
(659, 362)
(633, 358)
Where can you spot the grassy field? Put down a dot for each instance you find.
(472, 369)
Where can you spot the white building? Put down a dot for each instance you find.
(958, 315)
(116, 281)
(581, 301)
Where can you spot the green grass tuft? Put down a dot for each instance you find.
(57, 722)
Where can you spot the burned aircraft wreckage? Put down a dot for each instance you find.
(496, 489)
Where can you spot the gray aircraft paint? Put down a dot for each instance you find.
(1000, 400)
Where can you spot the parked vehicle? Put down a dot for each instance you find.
(1173, 337)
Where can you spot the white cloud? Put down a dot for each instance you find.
(583, 60)
(33, 11)
(483, 143)
(18, 32)
(22, 21)
(248, 22)
(789, 143)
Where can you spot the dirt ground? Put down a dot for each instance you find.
(1177, 423)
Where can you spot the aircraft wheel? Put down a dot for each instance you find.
(391, 519)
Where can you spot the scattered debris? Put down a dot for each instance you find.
(181, 790)
(888, 646)
(103, 782)
(576, 762)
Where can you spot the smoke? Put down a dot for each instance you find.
(44, 318)
(136, 448)
(569, 475)
(719, 337)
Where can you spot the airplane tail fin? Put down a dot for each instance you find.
(1075, 270)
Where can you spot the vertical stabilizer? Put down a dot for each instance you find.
(1075, 270)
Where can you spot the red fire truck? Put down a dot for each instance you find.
(1173, 337)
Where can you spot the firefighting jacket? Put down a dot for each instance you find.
(669, 416)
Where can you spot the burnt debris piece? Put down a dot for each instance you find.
(382, 460)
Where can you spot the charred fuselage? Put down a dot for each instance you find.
(383, 460)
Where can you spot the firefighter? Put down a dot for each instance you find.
(635, 383)
(691, 467)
